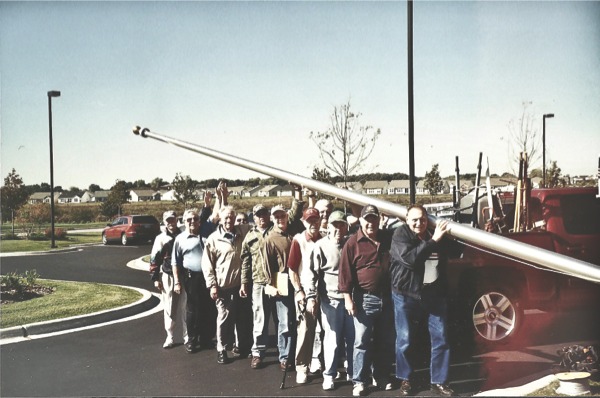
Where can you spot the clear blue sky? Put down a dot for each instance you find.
(254, 78)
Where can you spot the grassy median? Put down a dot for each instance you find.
(72, 239)
(66, 299)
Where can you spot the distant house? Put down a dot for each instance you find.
(251, 191)
(421, 190)
(236, 192)
(100, 196)
(374, 187)
(144, 195)
(503, 184)
(355, 186)
(87, 197)
(398, 187)
(69, 199)
(168, 195)
(267, 191)
(39, 197)
(285, 190)
(465, 186)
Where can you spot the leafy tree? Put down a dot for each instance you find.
(321, 175)
(13, 196)
(140, 184)
(35, 215)
(553, 176)
(94, 188)
(118, 195)
(185, 190)
(346, 144)
(433, 181)
(157, 183)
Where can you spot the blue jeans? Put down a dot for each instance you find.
(407, 312)
(373, 337)
(262, 307)
(339, 334)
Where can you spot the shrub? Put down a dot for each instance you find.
(31, 277)
(12, 281)
(9, 236)
(59, 233)
(36, 236)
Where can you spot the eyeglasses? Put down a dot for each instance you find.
(192, 219)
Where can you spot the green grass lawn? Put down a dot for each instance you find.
(23, 245)
(68, 299)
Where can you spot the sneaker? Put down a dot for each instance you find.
(328, 383)
(358, 390)
(256, 363)
(404, 387)
(301, 378)
(190, 348)
(168, 343)
(222, 357)
(315, 366)
(442, 389)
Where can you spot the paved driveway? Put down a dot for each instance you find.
(126, 359)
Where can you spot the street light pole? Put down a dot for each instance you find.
(50, 95)
(547, 115)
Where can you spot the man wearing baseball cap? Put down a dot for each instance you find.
(161, 272)
(364, 280)
(337, 324)
(256, 275)
(299, 269)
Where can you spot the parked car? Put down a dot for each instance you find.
(139, 228)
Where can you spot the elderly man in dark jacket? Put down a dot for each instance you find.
(418, 263)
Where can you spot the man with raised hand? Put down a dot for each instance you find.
(418, 272)
(222, 268)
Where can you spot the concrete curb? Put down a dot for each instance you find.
(519, 391)
(39, 253)
(147, 302)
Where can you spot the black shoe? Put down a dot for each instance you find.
(256, 363)
(222, 357)
(190, 348)
(404, 387)
(442, 389)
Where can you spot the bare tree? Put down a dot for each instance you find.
(524, 138)
(346, 144)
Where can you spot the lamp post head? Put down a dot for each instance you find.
(549, 115)
(53, 93)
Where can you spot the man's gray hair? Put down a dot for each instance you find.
(190, 212)
(224, 210)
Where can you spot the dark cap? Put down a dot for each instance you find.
(369, 209)
(311, 212)
(258, 208)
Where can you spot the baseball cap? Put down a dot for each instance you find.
(168, 214)
(311, 212)
(277, 208)
(369, 209)
(259, 207)
(337, 216)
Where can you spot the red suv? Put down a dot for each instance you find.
(131, 228)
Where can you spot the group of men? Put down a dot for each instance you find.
(335, 296)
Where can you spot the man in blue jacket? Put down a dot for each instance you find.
(418, 262)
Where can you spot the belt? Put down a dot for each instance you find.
(371, 292)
